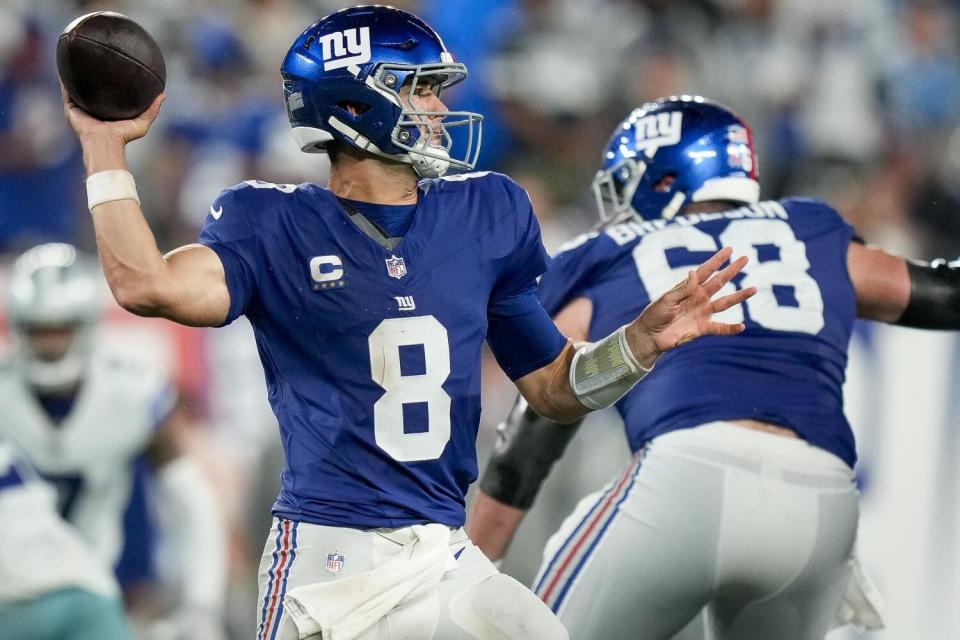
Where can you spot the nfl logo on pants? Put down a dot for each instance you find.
(334, 562)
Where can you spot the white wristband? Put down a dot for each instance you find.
(107, 186)
(602, 372)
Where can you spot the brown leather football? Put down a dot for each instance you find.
(110, 65)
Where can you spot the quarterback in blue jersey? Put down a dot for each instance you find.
(370, 301)
(739, 501)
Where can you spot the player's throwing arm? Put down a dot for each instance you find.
(186, 286)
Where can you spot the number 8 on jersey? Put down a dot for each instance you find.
(413, 387)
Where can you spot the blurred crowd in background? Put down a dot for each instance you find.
(857, 101)
(854, 101)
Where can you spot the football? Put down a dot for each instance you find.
(110, 65)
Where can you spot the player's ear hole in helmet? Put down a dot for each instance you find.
(671, 153)
(371, 77)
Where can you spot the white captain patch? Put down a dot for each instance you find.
(326, 272)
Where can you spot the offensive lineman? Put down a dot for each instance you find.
(84, 412)
(370, 302)
(740, 498)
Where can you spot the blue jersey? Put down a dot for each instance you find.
(786, 368)
(372, 354)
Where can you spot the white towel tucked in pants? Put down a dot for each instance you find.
(343, 609)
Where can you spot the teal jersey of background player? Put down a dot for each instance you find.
(371, 349)
(792, 355)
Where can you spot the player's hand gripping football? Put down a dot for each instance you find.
(685, 312)
(87, 127)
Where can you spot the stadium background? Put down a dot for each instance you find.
(857, 102)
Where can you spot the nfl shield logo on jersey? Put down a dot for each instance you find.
(395, 267)
(334, 562)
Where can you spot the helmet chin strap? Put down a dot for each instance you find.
(432, 164)
(673, 207)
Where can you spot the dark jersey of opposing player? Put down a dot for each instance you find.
(371, 354)
(787, 368)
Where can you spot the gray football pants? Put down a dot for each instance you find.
(754, 530)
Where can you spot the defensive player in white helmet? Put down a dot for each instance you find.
(52, 585)
(85, 413)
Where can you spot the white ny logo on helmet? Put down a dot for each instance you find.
(657, 130)
(344, 48)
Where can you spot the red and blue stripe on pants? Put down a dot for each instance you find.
(572, 556)
(284, 556)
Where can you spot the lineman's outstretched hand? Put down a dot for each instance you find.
(685, 312)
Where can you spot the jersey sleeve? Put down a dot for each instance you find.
(523, 256)
(227, 230)
(162, 403)
(154, 387)
(520, 333)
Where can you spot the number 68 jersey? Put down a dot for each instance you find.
(372, 349)
(786, 368)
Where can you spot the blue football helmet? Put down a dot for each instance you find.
(356, 76)
(672, 152)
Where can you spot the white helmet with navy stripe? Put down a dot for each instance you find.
(342, 80)
(54, 287)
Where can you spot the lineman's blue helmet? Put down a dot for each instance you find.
(672, 152)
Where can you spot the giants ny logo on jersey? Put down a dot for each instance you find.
(657, 130)
(405, 303)
(344, 48)
(326, 272)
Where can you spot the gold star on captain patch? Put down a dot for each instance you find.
(339, 284)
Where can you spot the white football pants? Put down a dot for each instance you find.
(755, 529)
(472, 601)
